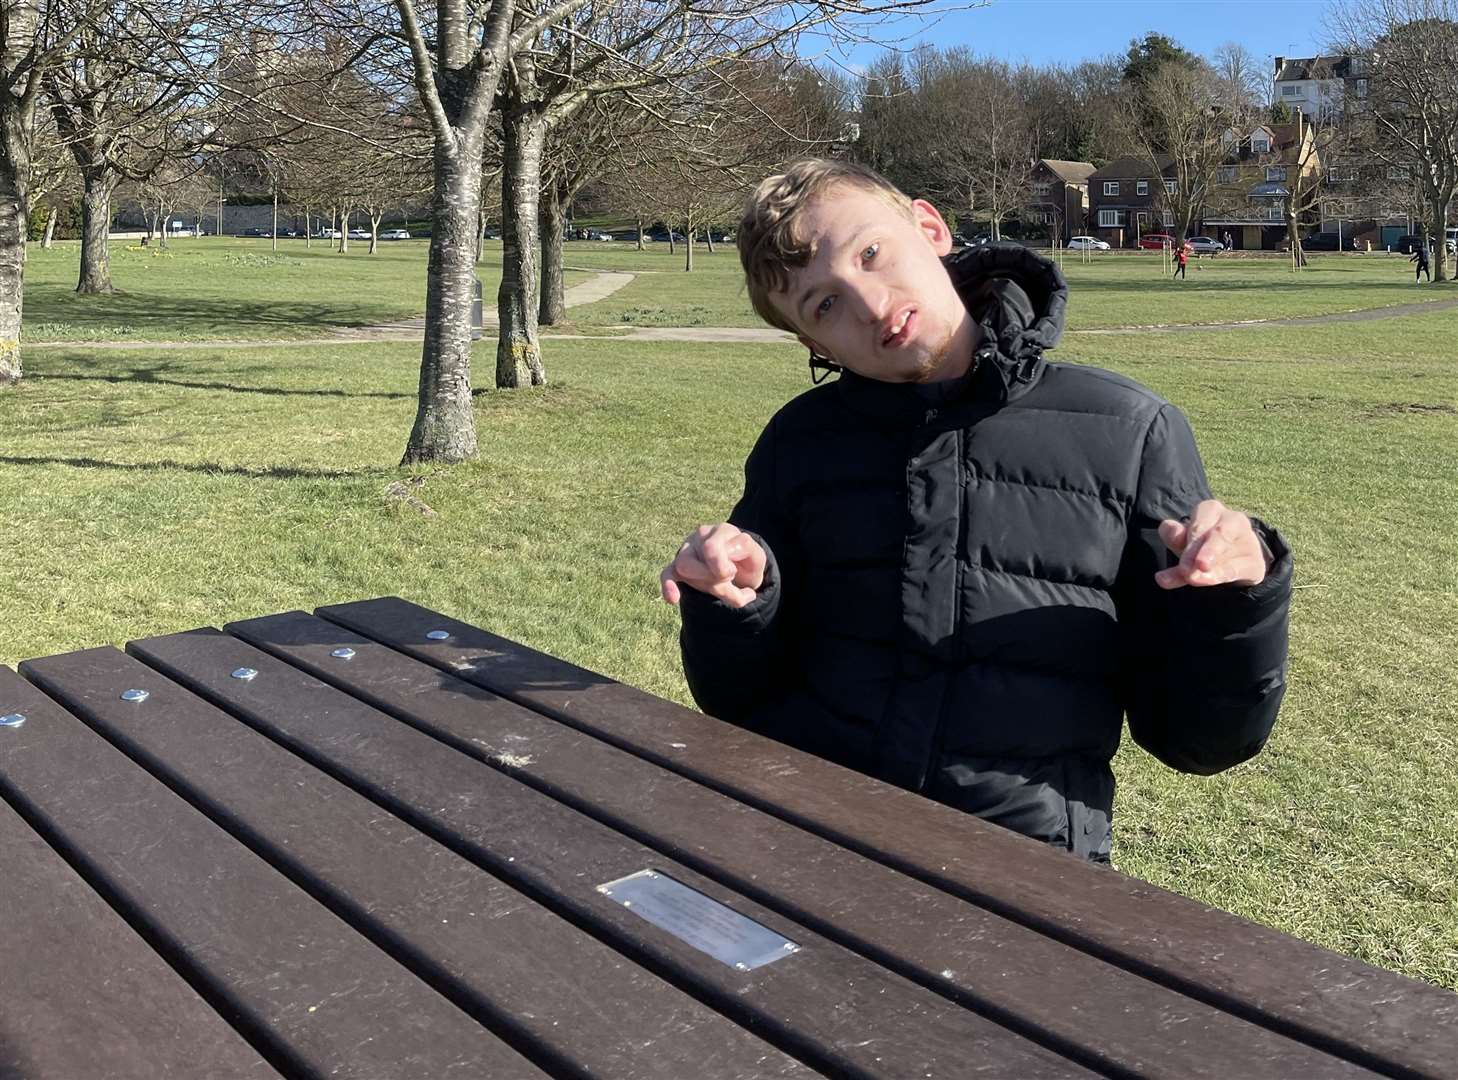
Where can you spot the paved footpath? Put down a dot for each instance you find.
(608, 282)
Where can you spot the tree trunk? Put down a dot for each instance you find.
(308, 231)
(672, 250)
(274, 231)
(641, 245)
(518, 352)
(445, 426)
(1440, 236)
(14, 225)
(553, 309)
(50, 235)
(709, 239)
(480, 231)
(688, 249)
(375, 230)
(344, 230)
(95, 225)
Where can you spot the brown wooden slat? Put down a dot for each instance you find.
(835, 1010)
(1374, 1017)
(526, 973)
(81, 995)
(1110, 1018)
(310, 992)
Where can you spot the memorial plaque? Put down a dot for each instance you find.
(699, 920)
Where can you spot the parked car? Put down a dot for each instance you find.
(1155, 240)
(395, 234)
(973, 240)
(1087, 243)
(1204, 245)
(251, 234)
(1408, 244)
(359, 234)
(327, 234)
(486, 234)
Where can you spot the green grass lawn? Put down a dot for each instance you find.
(150, 492)
(223, 288)
(1111, 290)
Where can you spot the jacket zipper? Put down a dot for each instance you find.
(939, 733)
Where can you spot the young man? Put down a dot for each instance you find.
(957, 567)
(1420, 256)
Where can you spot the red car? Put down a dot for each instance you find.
(1155, 240)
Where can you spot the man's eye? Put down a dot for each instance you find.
(870, 252)
(824, 306)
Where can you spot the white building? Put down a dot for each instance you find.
(1318, 87)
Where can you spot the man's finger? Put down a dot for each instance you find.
(713, 551)
(1174, 534)
(668, 586)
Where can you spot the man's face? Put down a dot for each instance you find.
(875, 297)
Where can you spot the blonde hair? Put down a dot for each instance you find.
(770, 242)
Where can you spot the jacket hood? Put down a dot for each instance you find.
(1020, 300)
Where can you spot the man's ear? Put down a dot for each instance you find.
(930, 222)
(816, 349)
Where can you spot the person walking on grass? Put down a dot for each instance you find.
(1420, 256)
(1182, 258)
(957, 567)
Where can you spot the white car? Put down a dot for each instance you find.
(1087, 243)
(359, 234)
(395, 234)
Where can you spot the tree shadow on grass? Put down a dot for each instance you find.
(161, 315)
(145, 375)
(276, 472)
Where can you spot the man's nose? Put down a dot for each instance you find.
(872, 301)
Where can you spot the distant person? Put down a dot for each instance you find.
(1229, 241)
(1420, 256)
(1182, 259)
(958, 566)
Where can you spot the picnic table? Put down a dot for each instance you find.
(376, 841)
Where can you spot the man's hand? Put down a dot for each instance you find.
(718, 560)
(1216, 546)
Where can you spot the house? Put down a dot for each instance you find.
(1122, 197)
(1059, 198)
(1319, 87)
(1248, 199)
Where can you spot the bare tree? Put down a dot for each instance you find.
(1245, 82)
(123, 119)
(1181, 118)
(35, 35)
(983, 161)
(1407, 51)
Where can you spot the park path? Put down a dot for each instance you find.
(608, 282)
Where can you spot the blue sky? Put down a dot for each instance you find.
(1067, 31)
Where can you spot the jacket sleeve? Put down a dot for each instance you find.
(1204, 668)
(736, 660)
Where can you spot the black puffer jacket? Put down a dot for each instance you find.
(960, 596)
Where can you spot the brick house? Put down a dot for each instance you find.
(1122, 197)
(1059, 198)
(1247, 200)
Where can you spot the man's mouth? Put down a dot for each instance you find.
(899, 328)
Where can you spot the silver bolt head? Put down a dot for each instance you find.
(245, 673)
(14, 719)
(344, 653)
(438, 635)
(135, 695)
